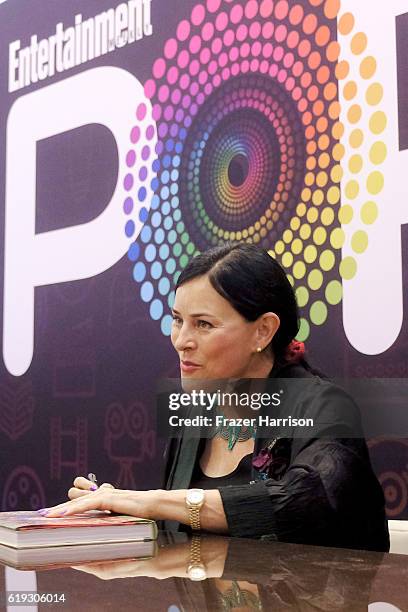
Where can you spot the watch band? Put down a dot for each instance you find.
(196, 569)
(195, 550)
(194, 517)
(194, 501)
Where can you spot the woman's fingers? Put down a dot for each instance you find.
(73, 493)
(83, 483)
(113, 569)
(99, 500)
(122, 501)
(82, 486)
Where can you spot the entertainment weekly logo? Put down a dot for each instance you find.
(78, 44)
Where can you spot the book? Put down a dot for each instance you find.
(28, 529)
(54, 557)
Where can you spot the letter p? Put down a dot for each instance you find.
(105, 95)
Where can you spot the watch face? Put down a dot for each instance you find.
(195, 496)
(197, 572)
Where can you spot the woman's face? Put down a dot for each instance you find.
(212, 339)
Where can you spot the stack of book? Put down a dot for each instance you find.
(29, 540)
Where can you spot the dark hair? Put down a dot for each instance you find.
(253, 282)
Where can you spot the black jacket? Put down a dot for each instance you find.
(318, 488)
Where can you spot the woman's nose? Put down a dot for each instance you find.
(184, 339)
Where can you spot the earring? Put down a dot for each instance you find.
(259, 349)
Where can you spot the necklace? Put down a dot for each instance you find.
(236, 597)
(234, 434)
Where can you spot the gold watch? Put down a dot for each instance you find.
(196, 569)
(194, 501)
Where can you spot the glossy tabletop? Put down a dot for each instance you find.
(237, 575)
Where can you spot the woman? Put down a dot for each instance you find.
(235, 317)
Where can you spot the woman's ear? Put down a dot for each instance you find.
(267, 326)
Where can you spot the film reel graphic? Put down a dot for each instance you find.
(250, 147)
(394, 479)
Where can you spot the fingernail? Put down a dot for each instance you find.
(93, 487)
(43, 510)
(63, 512)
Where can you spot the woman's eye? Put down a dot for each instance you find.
(176, 320)
(203, 324)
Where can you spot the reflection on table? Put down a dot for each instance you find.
(217, 573)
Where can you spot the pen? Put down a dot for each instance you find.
(92, 478)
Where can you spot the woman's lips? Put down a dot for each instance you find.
(189, 366)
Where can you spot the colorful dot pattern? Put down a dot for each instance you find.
(366, 120)
(140, 177)
(251, 123)
(245, 96)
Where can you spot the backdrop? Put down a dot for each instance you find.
(136, 134)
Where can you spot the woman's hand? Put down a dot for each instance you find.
(157, 505)
(171, 561)
(136, 503)
(83, 486)
(109, 570)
